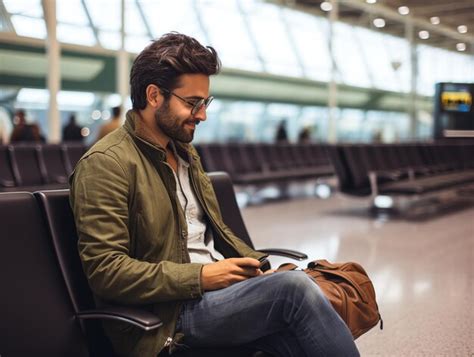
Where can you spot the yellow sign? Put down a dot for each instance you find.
(461, 101)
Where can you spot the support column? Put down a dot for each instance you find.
(412, 104)
(122, 58)
(332, 86)
(53, 55)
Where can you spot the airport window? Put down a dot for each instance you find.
(235, 47)
(349, 57)
(161, 17)
(272, 39)
(310, 36)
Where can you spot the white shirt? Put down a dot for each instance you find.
(200, 245)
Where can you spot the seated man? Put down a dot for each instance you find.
(151, 234)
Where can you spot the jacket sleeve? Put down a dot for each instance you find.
(100, 199)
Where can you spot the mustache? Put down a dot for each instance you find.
(192, 121)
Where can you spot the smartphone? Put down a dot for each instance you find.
(263, 261)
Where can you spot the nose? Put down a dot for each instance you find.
(201, 114)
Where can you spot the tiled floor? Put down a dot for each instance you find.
(423, 271)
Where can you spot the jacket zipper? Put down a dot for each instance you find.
(184, 244)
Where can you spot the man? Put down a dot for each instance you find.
(72, 131)
(151, 234)
(113, 124)
(24, 132)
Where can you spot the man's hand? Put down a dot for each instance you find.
(226, 272)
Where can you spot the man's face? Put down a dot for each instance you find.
(174, 117)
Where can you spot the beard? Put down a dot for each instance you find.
(173, 126)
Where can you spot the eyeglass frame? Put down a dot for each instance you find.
(195, 106)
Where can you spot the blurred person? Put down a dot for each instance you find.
(113, 124)
(304, 135)
(72, 131)
(281, 135)
(24, 132)
(151, 234)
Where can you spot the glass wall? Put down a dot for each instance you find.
(264, 37)
(257, 122)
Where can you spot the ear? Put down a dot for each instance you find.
(153, 96)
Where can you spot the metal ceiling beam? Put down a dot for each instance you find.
(91, 23)
(421, 8)
(6, 18)
(417, 22)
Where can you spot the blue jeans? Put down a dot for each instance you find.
(284, 314)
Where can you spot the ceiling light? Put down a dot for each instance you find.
(326, 6)
(403, 10)
(371, 1)
(378, 22)
(462, 28)
(424, 35)
(461, 46)
(435, 20)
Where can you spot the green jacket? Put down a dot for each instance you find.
(132, 232)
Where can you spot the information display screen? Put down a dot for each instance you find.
(456, 98)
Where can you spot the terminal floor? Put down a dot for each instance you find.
(423, 271)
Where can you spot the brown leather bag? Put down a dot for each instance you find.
(350, 291)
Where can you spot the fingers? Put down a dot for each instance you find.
(246, 262)
(247, 271)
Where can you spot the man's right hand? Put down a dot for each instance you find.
(226, 272)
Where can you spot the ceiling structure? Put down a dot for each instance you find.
(440, 20)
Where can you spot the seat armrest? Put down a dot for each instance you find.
(293, 254)
(145, 320)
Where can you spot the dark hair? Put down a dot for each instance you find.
(116, 111)
(167, 58)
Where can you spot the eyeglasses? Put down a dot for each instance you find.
(196, 105)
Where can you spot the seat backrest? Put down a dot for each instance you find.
(30, 167)
(216, 157)
(222, 184)
(55, 165)
(6, 172)
(60, 219)
(36, 316)
(74, 152)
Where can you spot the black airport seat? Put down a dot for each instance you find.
(214, 157)
(31, 170)
(406, 169)
(7, 179)
(74, 152)
(37, 318)
(54, 158)
(224, 189)
(260, 164)
(61, 228)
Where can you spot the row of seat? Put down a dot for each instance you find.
(46, 305)
(30, 167)
(402, 169)
(258, 163)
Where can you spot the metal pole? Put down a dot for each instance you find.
(412, 107)
(53, 53)
(332, 85)
(122, 62)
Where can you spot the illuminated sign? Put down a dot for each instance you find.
(459, 101)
